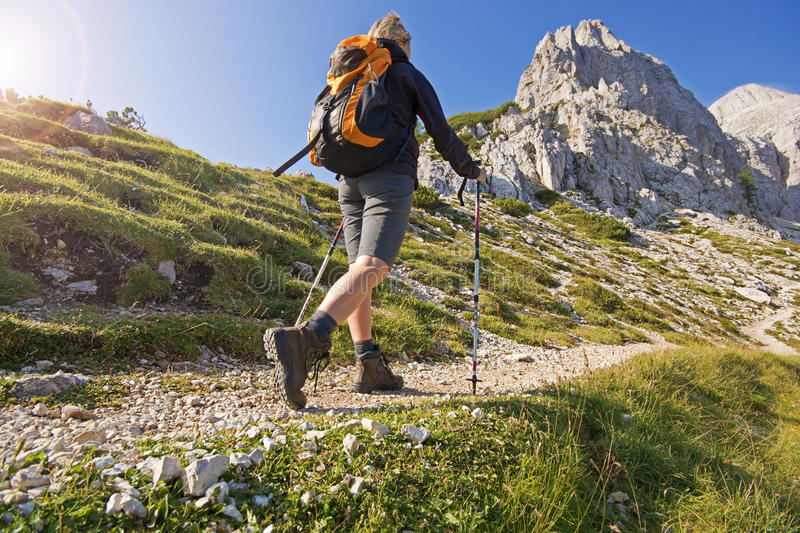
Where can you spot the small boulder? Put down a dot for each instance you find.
(120, 502)
(81, 150)
(29, 478)
(88, 286)
(376, 428)
(218, 492)
(240, 460)
(78, 413)
(478, 413)
(350, 444)
(415, 435)
(102, 463)
(256, 456)
(166, 469)
(357, 485)
(87, 123)
(262, 501)
(302, 270)
(40, 409)
(203, 473)
(93, 435)
(231, 511)
(167, 269)
(37, 386)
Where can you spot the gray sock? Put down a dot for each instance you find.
(322, 324)
(365, 348)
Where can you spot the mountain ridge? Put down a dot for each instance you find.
(595, 116)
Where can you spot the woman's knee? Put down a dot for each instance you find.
(370, 270)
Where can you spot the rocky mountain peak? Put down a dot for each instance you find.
(571, 62)
(765, 126)
(596, 116)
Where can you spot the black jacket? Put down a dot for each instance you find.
(410, 94)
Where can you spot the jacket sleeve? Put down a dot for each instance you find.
(445, 139)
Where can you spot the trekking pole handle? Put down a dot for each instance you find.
(464, 184)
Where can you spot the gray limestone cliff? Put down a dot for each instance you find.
(596, 116)
(765, 126)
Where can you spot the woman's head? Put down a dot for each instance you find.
(390, 27)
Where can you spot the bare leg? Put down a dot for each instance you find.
(360, 321)
(350, 291)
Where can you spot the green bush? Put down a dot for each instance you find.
(748, 184)
(593, 224)
(16, 286)
(547, 197)
(462, 120)
(513, 207)
(142, 285)
(427, 198)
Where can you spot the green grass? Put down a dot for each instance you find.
(142, 285)
(462, 120)
(513, 207)
(16, 286)
(697, 439)
(592, 224)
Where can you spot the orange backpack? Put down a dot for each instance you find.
(352, 128)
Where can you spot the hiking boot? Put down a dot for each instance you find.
(373, 373)
(295, 351)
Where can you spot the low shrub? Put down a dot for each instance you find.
(142, 285)
(427, 198)
(513, 207)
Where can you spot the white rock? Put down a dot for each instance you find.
(102, 463)
(88, 123)
(34, 386)
(93, 435)
(269, 444)
(40, 409)
(314, 435)
(281, 439)
(240, 460)
(43, 364)
(126, 488)
(167, 269)
(478, 413)
(26, 508)
(58, 274)
(80, 150)
(119, 502)
(79, 413)
(218, 492)
(356, 485)
(350, 444)
(309, 445)
(256, 456)
(166, 469)
(261, 500)
(232, 512)
(253, 432)
(376, 428)
(88, 286)
(415, 435)
(29, 478)
(452, 414)
(201, 474)
(754, 294)
(307, 498)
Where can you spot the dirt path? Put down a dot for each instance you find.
(758, 330)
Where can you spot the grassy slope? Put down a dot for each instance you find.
(144, 199)
(698, 439)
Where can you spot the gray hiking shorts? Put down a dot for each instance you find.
(375, 209)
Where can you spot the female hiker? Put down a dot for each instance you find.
(375, 208)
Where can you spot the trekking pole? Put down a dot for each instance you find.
(319, 274)
(474, 379)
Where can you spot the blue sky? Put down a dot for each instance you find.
(235, 80)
